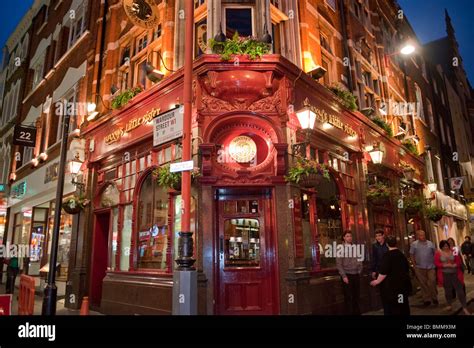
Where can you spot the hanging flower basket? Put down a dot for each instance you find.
(434, 213)
(378, 194)
(74, 205)
(307, 173)
(310, 180)
(379, 201)
(412, 204)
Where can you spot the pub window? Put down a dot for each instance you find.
(238, 19)
(357, 8)
(153, 226)
(329, 220)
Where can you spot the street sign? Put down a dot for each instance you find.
(167, 127)
(181, 166)
(24, 136)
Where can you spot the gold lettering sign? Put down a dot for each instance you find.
(332, 119)
(131, 125)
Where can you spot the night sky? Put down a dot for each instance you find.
(426, 17)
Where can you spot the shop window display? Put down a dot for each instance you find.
(153, 225)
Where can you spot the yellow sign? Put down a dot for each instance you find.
(242, 149)
(334, 120)
(131, 125)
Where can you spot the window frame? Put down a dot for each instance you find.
(238, 6)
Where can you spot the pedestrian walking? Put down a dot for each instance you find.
(466, 250)
(350, 267)
(394, 280)
(12, 271)
(422, 253)
(379, 249)
(450, 275)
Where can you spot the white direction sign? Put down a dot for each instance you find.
(181, 166)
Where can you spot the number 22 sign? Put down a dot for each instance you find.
(25, 136)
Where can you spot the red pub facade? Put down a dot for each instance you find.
(260, 242)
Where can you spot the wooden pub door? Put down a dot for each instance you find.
(246, 258)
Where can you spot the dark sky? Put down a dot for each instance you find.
(426, 17)
(10, 14)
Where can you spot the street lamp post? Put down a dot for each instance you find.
(51, 291)
(185, 276)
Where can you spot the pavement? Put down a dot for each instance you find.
(416, 302)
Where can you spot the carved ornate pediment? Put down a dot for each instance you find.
(243, 90)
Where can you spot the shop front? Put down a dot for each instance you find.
(262, 244)
(455, 224)
(133, 218)
(32, 210)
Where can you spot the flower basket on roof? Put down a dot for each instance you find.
(307, 173)
(248, 46)
(345, 97)
(378, 193)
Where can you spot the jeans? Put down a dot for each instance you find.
(352, 294)
(450, 282)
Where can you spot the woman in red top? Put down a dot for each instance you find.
(450, 275)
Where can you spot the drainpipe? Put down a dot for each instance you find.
(105, 9)
(346, 44)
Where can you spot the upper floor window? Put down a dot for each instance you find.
(38, 70)
(429, 110)
(331, 4)
(238, 19)
(325, 43)
(77, 26)
(357, 9)
(198, 3)
(141, 43)
(419, 103)
(157, 33)
(41, 18)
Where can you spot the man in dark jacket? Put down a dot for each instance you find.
(395, 279)
(379, 249)
(467, 249)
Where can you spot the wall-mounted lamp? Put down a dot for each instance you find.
(306, 118)
(152, 73)
(75, 168)
(317, 72)
(43, 156)
(92, 108)
(409, 173)
(35, 162)
(376, 154)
